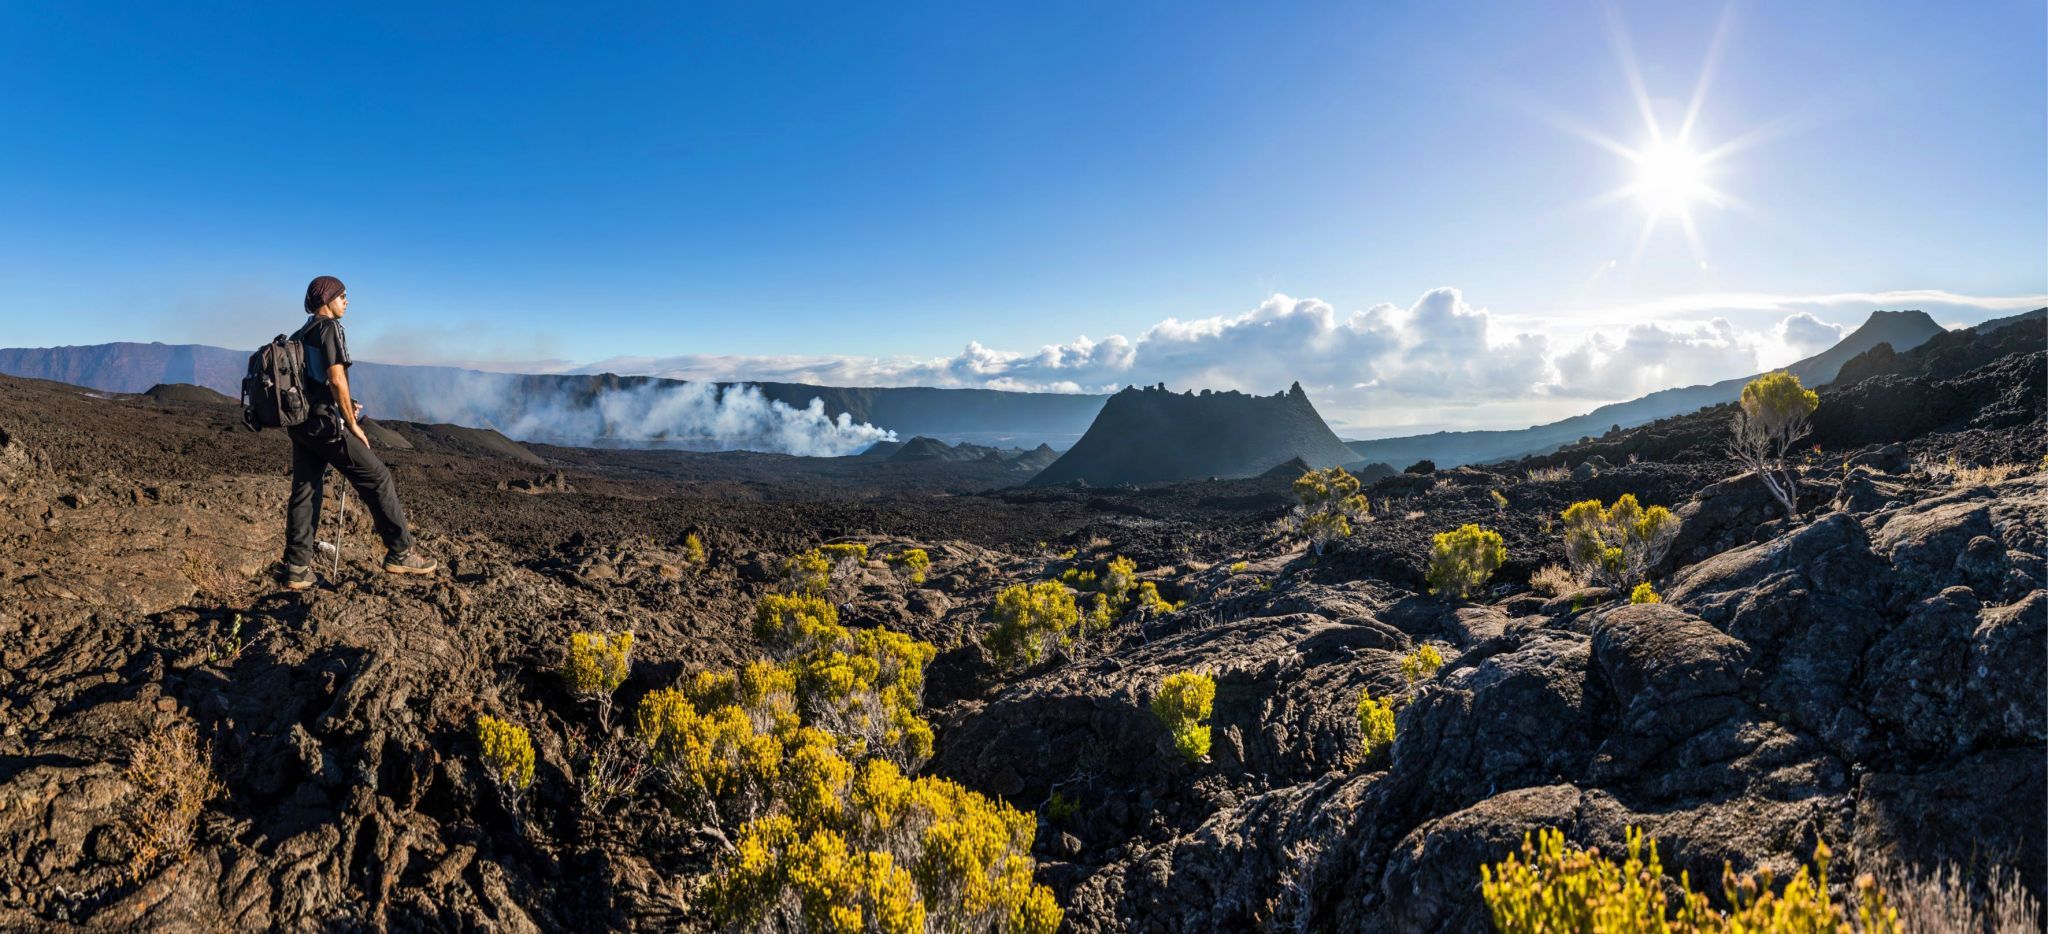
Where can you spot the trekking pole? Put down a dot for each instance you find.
(340, 528)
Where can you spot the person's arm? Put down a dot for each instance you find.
(337, 379)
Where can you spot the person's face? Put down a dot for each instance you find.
(339, 306)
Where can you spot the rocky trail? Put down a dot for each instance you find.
(1871, 676)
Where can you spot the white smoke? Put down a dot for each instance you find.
(693, 416)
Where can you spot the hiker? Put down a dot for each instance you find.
(332, 436)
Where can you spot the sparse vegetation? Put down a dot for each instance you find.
(1616, 545)
(173, 779)
(1375, 723)
(1238, 567)
(1771, 417)
(806, 760)
(1421, 664)
(1500, 500)
(808, 573)
(1184, 703)
(1461, 561)
(693, 551)
(1944, 901)
(1032, 621)
(1551, 474)
(912, 563)
(1329, 504)
(1554, 580)
(1644, 593)
(507, 756)
(846, 554)
(1962, 475)
(596, 666)
(1553, 886)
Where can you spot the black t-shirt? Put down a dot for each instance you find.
(325, 345)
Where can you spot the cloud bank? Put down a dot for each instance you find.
(1436, 362)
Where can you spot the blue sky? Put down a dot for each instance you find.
(858, 192)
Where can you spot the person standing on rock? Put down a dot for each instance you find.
(331, 436)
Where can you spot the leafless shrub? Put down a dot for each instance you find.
(173, 779)
(1549, 474)
(1554, 580)
(1944, 901)
(1414, 514)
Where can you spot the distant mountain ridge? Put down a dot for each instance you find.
(1903, 330)
(1152, 435)
(421, 393)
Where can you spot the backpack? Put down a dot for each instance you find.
(274, 390)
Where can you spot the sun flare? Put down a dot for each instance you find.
(1670, 179)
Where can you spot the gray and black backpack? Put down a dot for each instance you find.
(274, 390)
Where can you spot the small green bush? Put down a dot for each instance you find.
(808, 573)
(1329, 505)
(1375, 723)
(507, 753)
(1770, 417)
(853, 552)
(1237, 567)
(1461, 561)
(1031, 622)
(1500, 501)
(913, 562)
(596, 666)
(1184, 703)
(1644, 593)
(1421, 663)
(693, 551)
(1616, 545)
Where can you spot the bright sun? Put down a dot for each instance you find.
(1672, 176)
(1670, 179)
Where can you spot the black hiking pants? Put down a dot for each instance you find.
(323, 441)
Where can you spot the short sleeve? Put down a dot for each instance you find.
(337, 344)
(332, 344)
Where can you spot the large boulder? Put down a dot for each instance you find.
(1955, 677)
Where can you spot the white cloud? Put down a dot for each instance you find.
(1438, 361)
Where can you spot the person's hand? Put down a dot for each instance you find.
(359, 408)
(357, 430)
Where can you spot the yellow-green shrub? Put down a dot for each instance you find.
(1329, 504)
(913, 562)
(844, 555)
(793, 624)
(1644, 593)
(1552, 886)
(1375, 723)
(901, 850)
(693, 551)
(1118, 579)
(1616, 545)
(507, 753)
(1461, 561)
(807, 573)
(1421, 663)
(1500, 500)
(1770, 416)
(1238, 567)
(597, 664)
(1031, 621)
(1183, 705)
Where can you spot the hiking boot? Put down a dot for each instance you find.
(298, 577)
(409, 562)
